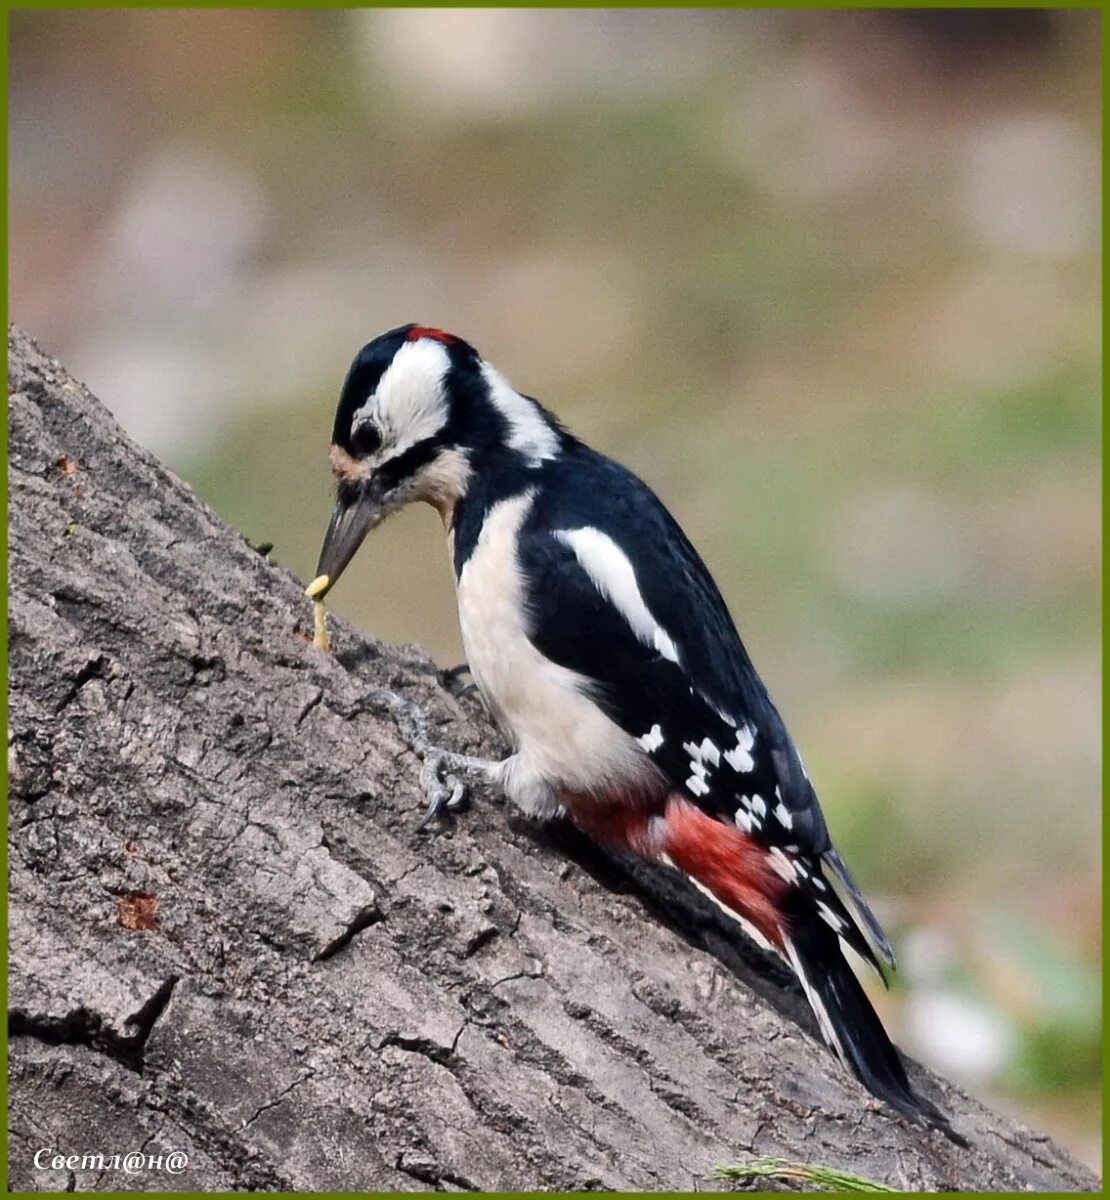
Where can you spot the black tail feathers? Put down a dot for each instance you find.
(870, 922)
(851, 1026)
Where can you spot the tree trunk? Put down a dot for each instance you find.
(228, 938)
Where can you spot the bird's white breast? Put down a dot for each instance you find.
(560, 734)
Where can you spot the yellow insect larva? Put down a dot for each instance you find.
(316, 590)
(320, 637)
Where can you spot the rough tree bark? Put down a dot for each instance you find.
(228, 938)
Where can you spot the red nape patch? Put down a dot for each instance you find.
(426, 331)
(725, 861)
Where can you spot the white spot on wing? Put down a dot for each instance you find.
(612, 574)
(529, 430)
(828, 916)
(784, 817)
(652, 740)
(759, 807)
(740, 758)
(728, 720)
(746, 817)
(697, 785)
(782, 865)
(710, 753)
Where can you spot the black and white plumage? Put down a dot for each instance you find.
(606, 652)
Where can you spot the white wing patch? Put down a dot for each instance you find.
(778, 861)
(529, 431)
(829, 917)
(652, 740)
(710, 753)
(612, 574)
(750, 813)
(697, 785)
(740, 757)
(409, 403)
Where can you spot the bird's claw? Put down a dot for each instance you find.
(445, 792)
(450, 795)
(451, 679)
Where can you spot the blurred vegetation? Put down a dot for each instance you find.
(828, 280)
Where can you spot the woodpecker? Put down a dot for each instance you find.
(605, 652)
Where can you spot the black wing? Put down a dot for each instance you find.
(702, 713)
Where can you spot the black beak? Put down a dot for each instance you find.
(357, 510)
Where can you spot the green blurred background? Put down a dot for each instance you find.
(828, 280)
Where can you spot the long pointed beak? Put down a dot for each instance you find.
(354, 516)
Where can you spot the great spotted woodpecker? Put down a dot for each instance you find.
(604, 650)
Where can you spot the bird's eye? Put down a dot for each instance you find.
(366, 437)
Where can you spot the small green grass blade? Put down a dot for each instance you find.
(826, 1179)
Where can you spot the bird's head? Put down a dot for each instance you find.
(419, 413)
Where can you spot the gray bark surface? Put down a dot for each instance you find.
(228, 938)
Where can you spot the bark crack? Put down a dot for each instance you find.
(83, 1026)
(95, 668)
(434, 1174)
(278, 1099)
(366, 916)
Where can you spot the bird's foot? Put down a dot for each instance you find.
(451, 678)
(444, 790)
